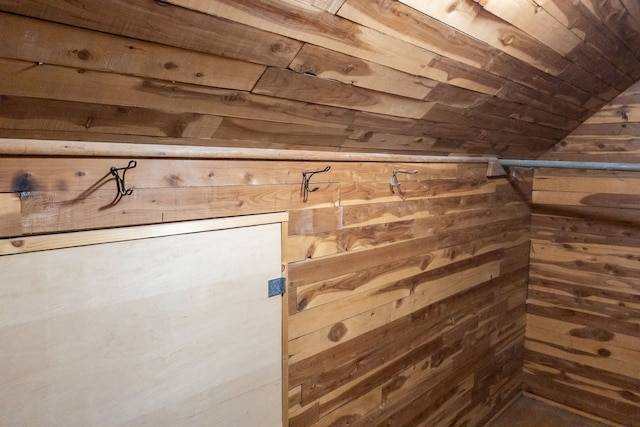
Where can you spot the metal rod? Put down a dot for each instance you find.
(570, 165)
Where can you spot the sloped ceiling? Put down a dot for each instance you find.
(501, 77)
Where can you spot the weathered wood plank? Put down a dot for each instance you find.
(316, 270)
(35, 114)
(429, 287)
(538, 23)
(559, 380)
(411, 189)
(616, 259)
(332, 335)
(328, 5)
(433, 35)
(425, 328)
(580, 21)
(166, 24)
(465, 117)
(499, 106)
(587, 335)
(473, 20)
(595, 148)
(71, 210)
(39, 41)
(328, 64)
(620, 17)
(594, 354)
(586, 181)
(320, 28)
(10, 215)
(337, 240)
(285, 133)
(559, 198)
(579, 231)
(287, 84)
(26, 79)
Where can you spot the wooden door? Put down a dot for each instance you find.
(171, 330)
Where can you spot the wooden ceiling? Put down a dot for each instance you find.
(500, 77)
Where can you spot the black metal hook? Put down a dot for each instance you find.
(393, 182)
(122, 188)
(306, 177)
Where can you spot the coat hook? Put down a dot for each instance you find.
(122, 188)
(625, 119)
(306, 177)
(393, 182)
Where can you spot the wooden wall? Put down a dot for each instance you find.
(583, 312)
(405, 308)
(610, 135)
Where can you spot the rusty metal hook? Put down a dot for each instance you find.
(393, 182)
(122, 188)
(306, 177)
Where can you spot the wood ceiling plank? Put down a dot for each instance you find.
(527, 96)
(333, 65)
(335, 33)
(537, 23)
(49, 114)
(431, 34)
(32, 80)
(284, 133)
(404, 23)
(288, 84)
(577, 18)
(470, 18)
(633, 9)
(461, 98)
(456, 129)
(318, 27)
(622, 17)
(452, 72)
(391, 18)
(328, 5)
(40, 41)
(163, 23)
(449, 114)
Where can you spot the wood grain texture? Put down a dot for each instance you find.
(31, 39)
(103, 341)
(610, 135)
(509, 78)
(583, 307)
(404, 308)
(165, 24)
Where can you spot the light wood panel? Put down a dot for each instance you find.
(583, 306)
(191, 338)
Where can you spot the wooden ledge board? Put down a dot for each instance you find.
(93, 237)
(37, 147)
